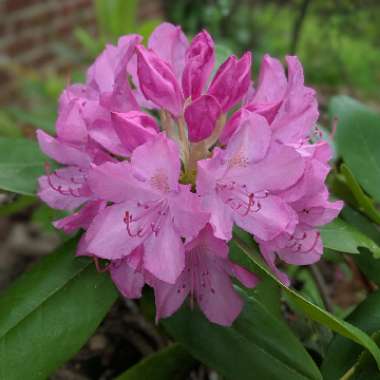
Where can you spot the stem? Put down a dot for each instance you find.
(184, 142)
(321, 285)
(348, 374)
(213, 138)
(297, 27)
(166, 122)
(368, 285)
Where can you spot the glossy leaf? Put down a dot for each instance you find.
(366, 204)
(20, 204)
(343, 353)
(49, 313)
(173, 363)
(361, 223)
(257, 346)
(267, 291)
(21, 163)
(314, 312)
(343, 237)
(366, 262)
(357, 139)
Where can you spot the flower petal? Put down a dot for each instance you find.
(80, 219)
(188, 215)
(157, 162)
(221, 218)
(64, 189)
(115, 182)
(103, 133)
(169, 297)
(201, 117)
(231, 81)
(61, 152)
(250, 142)
(134, 128)
(170, 43)
(221, 304)
(107, 237)
(271, 88)
(281, 168)
(200, 59)
(164, 254)
(128, 279)
(70, 125)
(158, 82)
(272, 218)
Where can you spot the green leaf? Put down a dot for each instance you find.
(343, 237)
(116, 17)
(267, 291)
(366, 262)
(8, 126)
(21, 163)
(38, 118)
(20, 204)
(314, 312)
(88, 42)
(361, 223)
(172, 363)
(342, 353)
(49, 313)
(366, 204)
(257, 345)
(357, 139)
(368, 265)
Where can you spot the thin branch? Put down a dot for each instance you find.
(322, 287)
(297, 26)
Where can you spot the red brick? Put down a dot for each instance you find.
(4, 76)
(8, 93)
(2, 30)
(15, 5)
(42, 18)
(45, 23)
(65, 30)
(84, 4)
(21, 45)
(44, 59)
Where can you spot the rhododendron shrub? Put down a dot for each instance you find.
(162, 155)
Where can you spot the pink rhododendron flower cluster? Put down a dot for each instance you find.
(163, 154)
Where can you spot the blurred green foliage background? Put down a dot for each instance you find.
(338, 42)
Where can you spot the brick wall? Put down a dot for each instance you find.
(30, 29)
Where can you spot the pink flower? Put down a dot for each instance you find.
(151, 209)
(170, 44)
(158, 82)
(134, 128)
(304, 246)
(239, 185)
(80, 219)
(106, 90)
(201, 117)
(231, 81)
(159, 193)
(206, 279)
(128, 273)
(173, 75)
(289, 107)
(66, 188)
(200, 59)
